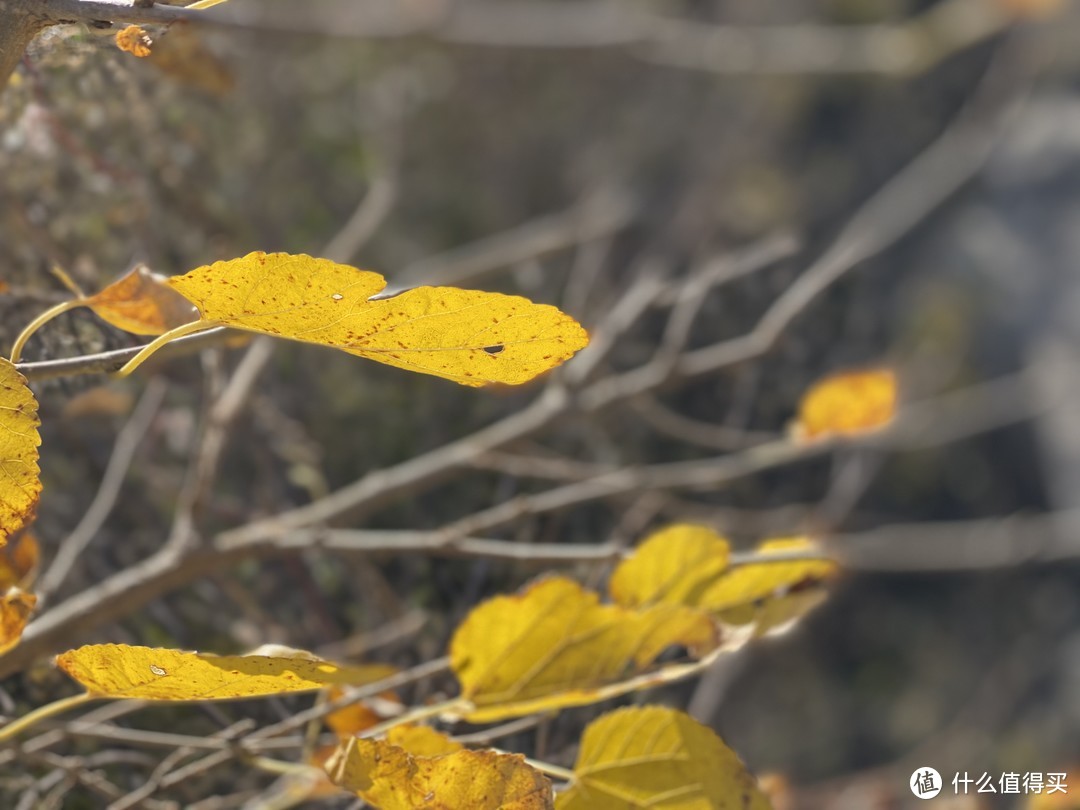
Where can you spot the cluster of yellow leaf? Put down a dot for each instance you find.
(689, 565)
(848, 404)
(647, 756)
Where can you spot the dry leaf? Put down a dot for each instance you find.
(134, 40)
(555, 645)
(141, 303)
(19, 562)
(659, 758)
(467, 336)
(391, 778)
(20, 484)
(179, 53)
(15, 609)
(671, 565)
(848, 404)
(122, 671)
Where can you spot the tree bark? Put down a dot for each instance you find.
(20, 22)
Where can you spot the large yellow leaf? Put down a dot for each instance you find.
(467, 336)
(122, 671)
(391, 778)
(15, 609)
(20, 486)
(848, 404)
(141, 303)
(659, 758)
(671, 565)
(555, 645)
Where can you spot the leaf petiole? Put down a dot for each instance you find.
(16, 727)
(40, 321)
(160, 341)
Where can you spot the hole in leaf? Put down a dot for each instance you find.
(494, 349)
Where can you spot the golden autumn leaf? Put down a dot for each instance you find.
(391, 778)
(15, 609)
(141, 303)
(359, 716)
(671, 565)
(688, 565)
(470, 337)
(19, 562)
(134, 40)
(748, 584)
(848, 404)
(555, 645)
(422, 741)
(122, 671)
(655, 757)
(20, 484)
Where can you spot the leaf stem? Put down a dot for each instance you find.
(20, 725)
(280, 767)
(40, 321)
(158, 342)
(563, 774)
(415, 714)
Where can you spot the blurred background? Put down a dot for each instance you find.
(849, 182)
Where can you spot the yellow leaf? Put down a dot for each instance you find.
(389, 777)
(134, 40)
(180, 54)
(555, 645)
(848, 404)
(467, 336)
(15, 609)
(19, 562)
(748, 584)
(659, 758)
(422, 741)
(671, 565)
(356, 717)
(122, 671)
(141, 303)
(201, 4)
(20, 486)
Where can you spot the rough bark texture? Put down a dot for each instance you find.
(19, 23)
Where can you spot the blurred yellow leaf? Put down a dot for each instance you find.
(555, 645)
(671, 565)
(467, 336)
(134, 40)
(180, 54)
(422, 741)
(15, 609)
(391, 778)
(688, 565)
(200, 4)
(122, 671)
(20, 485)
(19, 562)
(848, 404)
(751, 583)
(655, 757)
(141, 303)
(358, 716)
